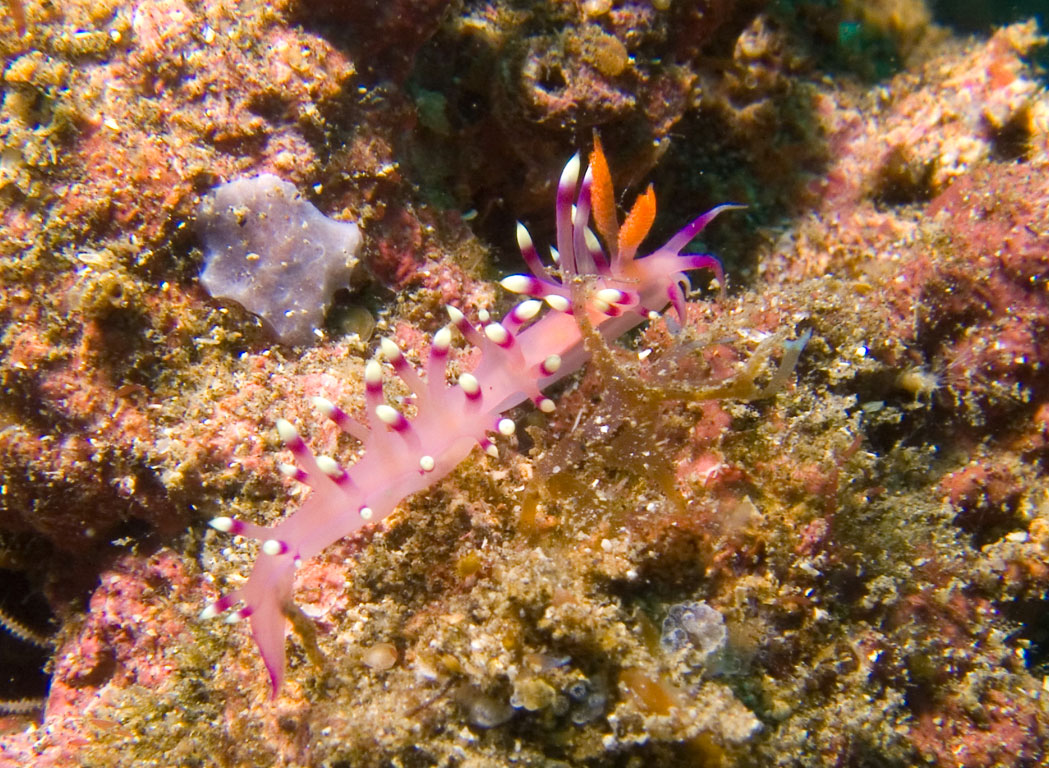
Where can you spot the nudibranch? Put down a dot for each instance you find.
(536, 343)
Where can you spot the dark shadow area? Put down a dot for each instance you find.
(1032, 614)
(984, 16)
(26, 625)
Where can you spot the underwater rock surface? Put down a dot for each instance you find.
(875, 536)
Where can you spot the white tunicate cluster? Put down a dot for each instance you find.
(483, 710)
(695, 624)
(275, 254)
(589, 700)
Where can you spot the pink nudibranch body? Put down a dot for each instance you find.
(520, 356)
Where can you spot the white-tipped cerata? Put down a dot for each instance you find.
(325, 406)
(224, 524)
(273, 547)
(365, 513)
(506, 427)
(390, 350)
(210, 611)
(557, 302)
(570, 175)
(442, 340)
(546, 405)
(524, 240)
(388, 414)
(526, 310)
(497, 334)
(372, 373)
(611, 295)
(330, 467)
(426, 463)
(471, 387)
(518, 283)
(287, 433)
(551, 365)
(592, 243)
(455, 315)
(492, 450)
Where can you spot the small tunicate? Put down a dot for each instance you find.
(589, 698)
(695, 624)
(674, 639)
(483, 710)
(578, 690)
(532, 693)
(275, 254)
(380, 656)
(489, 713)
(591, 708)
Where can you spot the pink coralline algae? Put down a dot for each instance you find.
(125, 642)
(604, 289)
(275, 254)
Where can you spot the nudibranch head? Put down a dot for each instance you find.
(624, 281)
